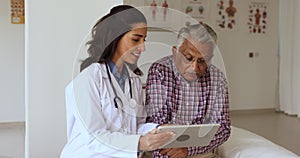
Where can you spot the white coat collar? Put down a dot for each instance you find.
(104, 74)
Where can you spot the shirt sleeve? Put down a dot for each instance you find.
(220, 115)
(156, 97)
(156, 105)
(143, 127)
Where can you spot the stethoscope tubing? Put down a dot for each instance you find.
(117, 99)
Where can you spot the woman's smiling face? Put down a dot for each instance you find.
(131, 45)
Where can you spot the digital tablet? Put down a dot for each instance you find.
(190, 135)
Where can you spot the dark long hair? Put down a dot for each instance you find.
(107, 33)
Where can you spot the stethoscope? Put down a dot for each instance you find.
(117, 100)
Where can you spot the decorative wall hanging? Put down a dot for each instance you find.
(17, 11)
(170, 15)
(197, 9)
(226, 14)
(257, 20)
(160, 15)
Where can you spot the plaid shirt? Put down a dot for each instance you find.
(170, 99)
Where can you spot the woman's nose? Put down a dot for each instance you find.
(142, 47)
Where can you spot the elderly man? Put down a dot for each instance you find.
(185, 88)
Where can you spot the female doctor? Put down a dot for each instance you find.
(105, 116)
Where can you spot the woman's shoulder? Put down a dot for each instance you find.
(94, 69)
(95, 72)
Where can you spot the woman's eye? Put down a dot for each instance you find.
(135, 40)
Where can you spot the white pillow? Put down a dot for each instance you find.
(245, 144)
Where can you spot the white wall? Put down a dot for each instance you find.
(250, 89)
(252, 81)
(12, 106)
(55, 30)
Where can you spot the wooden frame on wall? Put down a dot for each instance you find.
(17, 11)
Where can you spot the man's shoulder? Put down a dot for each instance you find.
(217, 74)
(215, 69)
(164, 62)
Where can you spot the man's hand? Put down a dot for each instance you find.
(175, 152)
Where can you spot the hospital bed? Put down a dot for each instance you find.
(245, 144)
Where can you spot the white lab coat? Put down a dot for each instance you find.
(94, 125)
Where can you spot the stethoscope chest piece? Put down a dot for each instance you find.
(132, 103)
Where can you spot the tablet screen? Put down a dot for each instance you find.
(190, 135)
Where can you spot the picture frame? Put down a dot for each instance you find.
(17, 11)
(170, 15)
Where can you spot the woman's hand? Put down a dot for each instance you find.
(153, 140)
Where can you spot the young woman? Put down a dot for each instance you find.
(105, 115)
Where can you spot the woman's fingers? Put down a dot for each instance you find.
(154, 140)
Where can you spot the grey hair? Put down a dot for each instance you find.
(201, 33)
